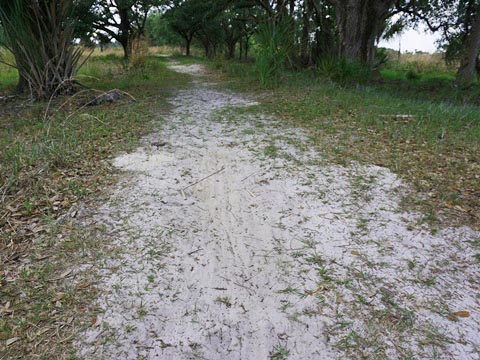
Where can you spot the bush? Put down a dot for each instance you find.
(412, 74)
(41, 40)
(343, 71)
(274, 47)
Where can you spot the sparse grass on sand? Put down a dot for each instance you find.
(433, 144)
(49, 161)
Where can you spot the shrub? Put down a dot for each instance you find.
(40, 36)
(274, 47)
(343, 71)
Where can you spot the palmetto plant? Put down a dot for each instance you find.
(40, 34)
(275, 45)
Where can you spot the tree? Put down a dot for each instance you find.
(40, 35)
(232, 26)
(458, 21)
(159, 32)
(469, 59)
(122, 20)
(185, 18)
(359, 24)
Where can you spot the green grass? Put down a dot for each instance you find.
(435, 146)
(8, 75)
(47, 165)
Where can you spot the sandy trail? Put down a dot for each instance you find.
(236, 243)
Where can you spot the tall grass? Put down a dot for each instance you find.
(343, 71)
(8, 74)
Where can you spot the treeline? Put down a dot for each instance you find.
(305, 32)
(295, 33)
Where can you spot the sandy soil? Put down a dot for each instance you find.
(233, 241)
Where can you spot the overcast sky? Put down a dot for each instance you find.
(412, 40)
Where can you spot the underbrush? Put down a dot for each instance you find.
(52, 156)
(425, 77)
(8, 75)
(433, 144)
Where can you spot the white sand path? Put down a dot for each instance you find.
(274, 254)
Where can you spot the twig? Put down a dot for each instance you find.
(194, 251)
(202, 179)
(238, 284)
(246, 177)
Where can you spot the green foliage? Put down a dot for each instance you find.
(122, 20)
(159, 32)
(40, 35)
(412, 74)
(274, 48)
(344, 72)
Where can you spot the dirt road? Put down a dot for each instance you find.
(237, 241)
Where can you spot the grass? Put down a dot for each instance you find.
(432, 144)
(49, 161)
(8, 75)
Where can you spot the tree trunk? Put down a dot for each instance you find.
(477, 68)
(206, 48)
(188, 43)
(126, 47)
(125, 32)
(22, 85)
(305, 41)
(241, 49)
(359, 23)
(231, 49)
(466, 70)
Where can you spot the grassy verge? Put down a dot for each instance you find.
(433, 145)
(47, 165)
(8, 75)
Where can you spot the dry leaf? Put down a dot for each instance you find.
(356, 253)
(462, 314)
(12, 341)
(83, 285)
(65, 274)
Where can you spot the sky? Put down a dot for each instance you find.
(412, 40)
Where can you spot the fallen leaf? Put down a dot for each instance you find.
(356, 253)
(12, 341)
(462, 314)
(58, 296)
(7, 310)
(83, 285)
(65, 274)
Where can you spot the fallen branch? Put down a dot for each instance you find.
(202, 179)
